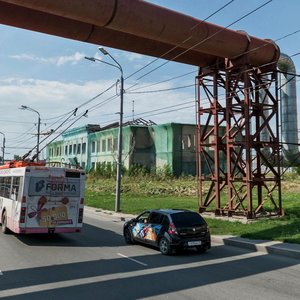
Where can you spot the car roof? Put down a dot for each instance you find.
(169, 211)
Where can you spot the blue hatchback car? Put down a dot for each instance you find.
(169, 230)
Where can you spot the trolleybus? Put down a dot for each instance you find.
(39, 199)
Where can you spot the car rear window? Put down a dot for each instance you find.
(187, 219)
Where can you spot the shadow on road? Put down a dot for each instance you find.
(117, 277)
(113, 278)
(90, 236)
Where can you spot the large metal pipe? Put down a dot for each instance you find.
(146, 20)
(30, 19)
(289, 121)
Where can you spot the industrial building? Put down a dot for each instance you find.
(144, 143)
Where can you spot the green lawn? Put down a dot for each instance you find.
(139, 194)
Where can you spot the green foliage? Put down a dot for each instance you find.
(107, 170)
(164, 172)
(296, 170)
(104, 169)
(137, 170)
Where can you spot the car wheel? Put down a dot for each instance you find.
(164, 246)
(127, 237)
(4, 223)
(201, 249)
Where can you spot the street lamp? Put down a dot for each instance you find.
(3, 147)
(24, 107)
(120, 135)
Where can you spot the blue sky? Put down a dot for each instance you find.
(51, 75)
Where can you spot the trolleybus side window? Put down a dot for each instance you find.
(5, 185)
(2, 188)
(15, 188)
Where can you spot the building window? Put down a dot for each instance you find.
(115, 144)
(83, 148)
(103, 148)
(78, 148)
(74, 149)
(70, 149)
(109, 144)
(98, 146)
(66, 150)
(93, 147)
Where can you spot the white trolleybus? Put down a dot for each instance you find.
(39, 199)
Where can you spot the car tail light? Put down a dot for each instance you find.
(172, 229)
(23, 215)
(80, 215)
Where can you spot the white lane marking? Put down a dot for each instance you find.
(132, 259)
(124, 275)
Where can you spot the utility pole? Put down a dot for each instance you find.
(120, 134)
(24, 107)
(3, 147)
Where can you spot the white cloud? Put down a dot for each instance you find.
(58, 61)
(73, 59)
(55, 98)
(30, 57)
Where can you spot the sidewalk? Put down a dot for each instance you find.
(271, 247)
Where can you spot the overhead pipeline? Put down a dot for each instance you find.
(148, 21)
(289, 120)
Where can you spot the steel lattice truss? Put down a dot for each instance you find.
(238, 142)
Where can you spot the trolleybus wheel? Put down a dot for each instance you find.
(4, 223)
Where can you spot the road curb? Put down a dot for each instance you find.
(270, 247)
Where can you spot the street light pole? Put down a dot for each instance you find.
(120, 134)
(3, 147)
(120, 144)
(38, 129)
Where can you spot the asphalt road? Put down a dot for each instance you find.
(96, 264)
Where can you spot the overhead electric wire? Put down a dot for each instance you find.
(83, 104)
(17, 122)
(86, 102)
(205, 40)
(79, 117)
(29, 152)
(163, 90)
(21, 134)
(164, 81)
(154, 60)
(285, 36)
(20, 141)
(178, 45)
(127, 90)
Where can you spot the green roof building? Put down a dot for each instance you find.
(144, 144)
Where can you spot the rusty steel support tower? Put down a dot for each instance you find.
(238, 145)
